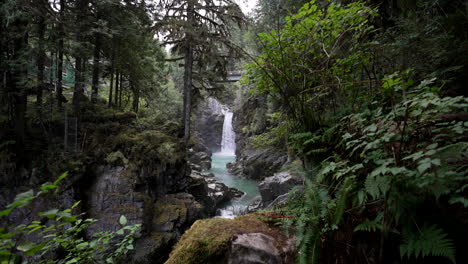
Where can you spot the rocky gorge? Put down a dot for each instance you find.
(144, 176)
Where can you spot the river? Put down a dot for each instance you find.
(249, 187)
(218, 168)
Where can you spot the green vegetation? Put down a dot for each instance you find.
(208, 241)
(368, 96)
(383, 146)
(58, 230)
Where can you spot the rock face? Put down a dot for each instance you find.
(250, 120)
(252, 248)
(172, 214)
(110, 196)
(257, 164)
(209, 124)
(278, 185)
(211, 193)
(158, 201)
(243, 240)
(201, 160)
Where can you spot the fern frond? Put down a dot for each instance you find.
(309, 248)
(370, 226)
(429, 241)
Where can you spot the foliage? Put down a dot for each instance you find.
(400, 157)
(275, 137)
(425, 31)
(429, 241)
(307, 65)
(60, 229)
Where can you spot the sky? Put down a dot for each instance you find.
(246, 5)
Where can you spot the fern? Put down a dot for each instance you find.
(309, 247)
(370, 226)
(429, 241)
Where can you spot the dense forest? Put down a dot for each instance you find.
(347, 118)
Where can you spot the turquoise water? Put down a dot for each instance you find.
(249, 187)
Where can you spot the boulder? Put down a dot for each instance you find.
(257, 164)
(244, 239)
(211, 193)
(277, 185)
(201, 159)
(253, 248)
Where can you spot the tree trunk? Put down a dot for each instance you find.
(40, 60)
(120, 90)
(97, 57)
(78, 93)
(17, 79)
(116, 98)
(111, 88)
(136, 99)
(60, 57)
(188, 58)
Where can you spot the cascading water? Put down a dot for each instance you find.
(219, 161)
(228, 141)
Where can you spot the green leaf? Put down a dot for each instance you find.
(59, 179)
(75, 204)
(71, 261)
(123, 220)
(47, 187)
(428, 241)
(5, 212)
(52, 213)
(424, 165)
(461, 200)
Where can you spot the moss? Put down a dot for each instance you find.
(116, 158)
(168, 212)
(208, 241)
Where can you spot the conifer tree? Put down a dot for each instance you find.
(198, 31)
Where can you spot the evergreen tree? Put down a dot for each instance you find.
(198, 31)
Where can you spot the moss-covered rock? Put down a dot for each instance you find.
(210, 240)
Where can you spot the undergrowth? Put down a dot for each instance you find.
(389, 161)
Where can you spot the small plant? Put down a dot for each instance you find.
(61, 230)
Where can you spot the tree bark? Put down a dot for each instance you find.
(136, 99)
(60, 57)
(78, 93)
(120, 90)
(116, 97)
(188, 58)
(40, 60)
(96, 60)
(111, 88)
(16, 80)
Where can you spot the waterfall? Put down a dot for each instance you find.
(228, 141)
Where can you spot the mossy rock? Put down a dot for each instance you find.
(208, 241)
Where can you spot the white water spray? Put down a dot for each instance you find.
(228, 141)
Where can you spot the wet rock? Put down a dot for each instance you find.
(277, 185)
(211, 193)
(209, 124)
(257, 164)
(255, 205)
(200, 159)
